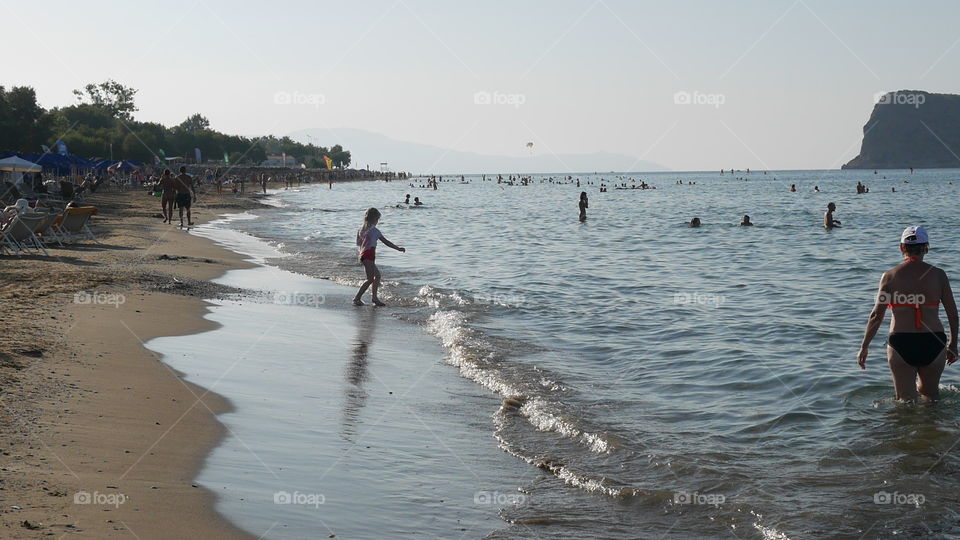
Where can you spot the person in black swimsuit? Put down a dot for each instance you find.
(584, 204)
(918, 348)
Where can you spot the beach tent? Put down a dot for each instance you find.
(54, 163)
(126, 165)
(18, 164)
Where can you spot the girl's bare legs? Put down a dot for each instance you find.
(373, 278)
(376, 285)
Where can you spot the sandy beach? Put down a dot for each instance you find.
(100, 438)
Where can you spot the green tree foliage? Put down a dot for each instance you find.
(102, 125)
(195, 123)
(110, 95)
(22, 121)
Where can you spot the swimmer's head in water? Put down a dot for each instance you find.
(831, 206)
(695, 222)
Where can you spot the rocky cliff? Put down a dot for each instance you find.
(911, 128)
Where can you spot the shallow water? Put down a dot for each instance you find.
(667, 380)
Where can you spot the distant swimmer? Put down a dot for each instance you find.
(416, 201)
(816, 188)
(367, 237)
(828, 221)
(584, 204)
(893, 190)
(695, 222)
(793, 188)
(746, 222)
(407, 200)
(917, 347)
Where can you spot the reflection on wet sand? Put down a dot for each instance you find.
(355, 374)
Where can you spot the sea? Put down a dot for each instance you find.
(621, 377)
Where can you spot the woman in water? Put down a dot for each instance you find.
(367, 238)
(695, 222)
(917, 347)
(746, 222)
(583, 205)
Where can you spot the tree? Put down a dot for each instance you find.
(196, 122)
(111, 96)
(23, 125)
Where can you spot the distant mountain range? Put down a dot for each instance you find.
(911, 128)
(368, 148)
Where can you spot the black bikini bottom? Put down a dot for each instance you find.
(918, 348)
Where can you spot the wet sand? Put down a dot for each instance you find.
(99, 438)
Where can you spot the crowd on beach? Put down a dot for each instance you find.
(42, 209)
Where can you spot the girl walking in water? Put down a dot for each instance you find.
(367, 238)
(584, 204)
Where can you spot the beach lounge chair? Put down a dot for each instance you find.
(20, 233)
(73, 222)
(45, 231)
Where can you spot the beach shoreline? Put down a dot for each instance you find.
(103, 439)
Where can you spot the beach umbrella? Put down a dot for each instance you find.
(17, 164)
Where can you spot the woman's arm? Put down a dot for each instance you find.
(950, 307)
(873, 322)
(391, 244)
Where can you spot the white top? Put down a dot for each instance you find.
(367, 240)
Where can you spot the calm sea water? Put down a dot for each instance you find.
(668, 381)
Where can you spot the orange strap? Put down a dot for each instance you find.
(917, 315)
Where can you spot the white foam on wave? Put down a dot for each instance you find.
(466, 354)
(538, 412)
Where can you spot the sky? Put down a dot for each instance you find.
(690, 85)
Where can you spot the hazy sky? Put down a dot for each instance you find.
(784, 84)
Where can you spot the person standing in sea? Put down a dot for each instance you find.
(584, 204)
(828, 221)
(917, 347)
(367, 237)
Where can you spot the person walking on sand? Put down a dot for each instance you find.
(828, 221)
(167, 195)
(917, 347)
(367, 238)
(584, 204)
(183, 184)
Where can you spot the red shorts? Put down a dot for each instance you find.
(369, 255)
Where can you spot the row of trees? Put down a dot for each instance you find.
(101, 124)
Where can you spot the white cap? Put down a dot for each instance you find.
(916, 234)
